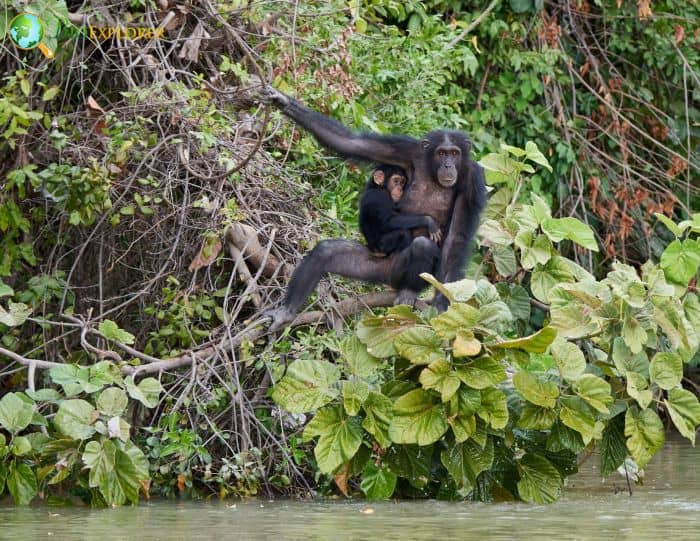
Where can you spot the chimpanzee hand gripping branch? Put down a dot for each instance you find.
(443, 182)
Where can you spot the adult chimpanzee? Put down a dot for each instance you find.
(443, 182)
(386, 230)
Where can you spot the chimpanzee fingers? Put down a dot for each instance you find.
(271, 95)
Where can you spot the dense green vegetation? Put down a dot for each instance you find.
(133, 173)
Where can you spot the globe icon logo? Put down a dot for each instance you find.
(26, 31)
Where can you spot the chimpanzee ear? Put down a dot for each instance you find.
(378, 177)
(425, 144)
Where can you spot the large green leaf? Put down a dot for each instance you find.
(594, 390)
(645, 434)
(99, 458)
(569, 359)
(534, 154)
(535, 343)
(670, 316)
(459, 316)
(466, 345)
(5, 290)
(562, 438)
(439, 376)
(21, 483)
(546, 277)
(355, 353)
(533, 249)
(638, 388)
(494, 408)
(75, 419)
(111, 331)
(419, 345)
(112, 401)
(15, 412)
(464, 404)
(417, 419)
(123, 483)
(340, 437)
(307, 386)
(536, 418)
(680, 261)
(613, 448)
(379, 410)
(684, 409)
(481, 373)
(465, 461)
(504, 259)
(411, 462)
(147, 391)
(634, 335)
(540, 482)
(378, 333)
(666, 370)
(459, 291)
(355, 392)
(17, 314)
(378, 483)
(533, 389)
(626, 361)
(558, 229)
(576, 414)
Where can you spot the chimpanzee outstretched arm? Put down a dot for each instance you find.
(389, 149)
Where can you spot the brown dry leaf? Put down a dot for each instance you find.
(181, 482)
(644, 9)
(341, 479)
(93, 108)
(679, 32)
(207, 254)
(146, 486)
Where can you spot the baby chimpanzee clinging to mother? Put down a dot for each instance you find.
(386, 230)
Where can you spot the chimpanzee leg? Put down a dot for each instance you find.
(422, 255)
(395, 241)
(336, 256)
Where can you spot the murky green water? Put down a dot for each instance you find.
(667, 507)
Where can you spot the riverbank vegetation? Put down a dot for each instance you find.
(151, 206)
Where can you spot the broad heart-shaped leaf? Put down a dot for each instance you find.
(504, 259)
(459, 316)
(576, 414)
(626, 361)
(440, 377)
(666, 370)
(569, 359)
(535, 343)
(562, 438)
(340, 437)
(112, 401)
(411, 462)
(638, 388)
(355, 392)
(75, 418)
(355, 354)
(459, 291)
(122, 484)
(533, 389)
(517, 299)
(378, 333)
(536, 418)
(558, 229)
(15, 413)
(540, 482)
(147, 391)
(533, 153)
(5, 290)
(466, 345)
(546, 277)
(494, 408)
(594, 390)
(465, 461)
(378, 483)
(533, 249)
(419, 345)
(418, 418)
(613, 448)
(680, 261)
(464, 404)
(684, 409)
(379, 410)
(21, 483)
(481, 373)
(307, 386)
(670, 316)
(634, 335)
(17, 314)
(99, 458)
(645, 434)
(111, 331)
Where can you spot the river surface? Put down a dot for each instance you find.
(666, 507)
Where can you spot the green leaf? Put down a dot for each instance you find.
(307, 386)
(533, 153)
(21, 483)
(645, 434)
(546, 277)
(535, 343)
(411, 462)
(17, 315)
(465, 461)
(638, 388)
(355, 353)
(419, 345)
(680, 261)
(634, 335)
(670, 224)
(481, 373)
(51, 93)
(563, 438)
(558, 229)
(122, 484)
(111, 331)
(75, 418)
(540, 208)
(378, 483)
(112, 401)
(577, 415)
(378, 333)
(462, 408)
(684, 409)
(417, 419)
(440, 377)
(379, 411)
(355, 393)
(5, 290)
(594, 390)
(147, 391)
(666, 370)
(21, 446)
(569, 359)
(533, 249)
(465, 345)
(15, 413)
(536, 418)
(459, 316)
(44, 395)
(540, 481)
(494, 408)
(100, 458)
(533, 389)
(340, 437)
(613, 448)
(504, 259)
(626, 361)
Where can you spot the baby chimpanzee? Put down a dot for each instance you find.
(386, 230)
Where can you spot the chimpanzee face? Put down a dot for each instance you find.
(447, 152)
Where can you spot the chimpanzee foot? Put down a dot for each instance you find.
(279, 317)
(406, 296)
(440, 302)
